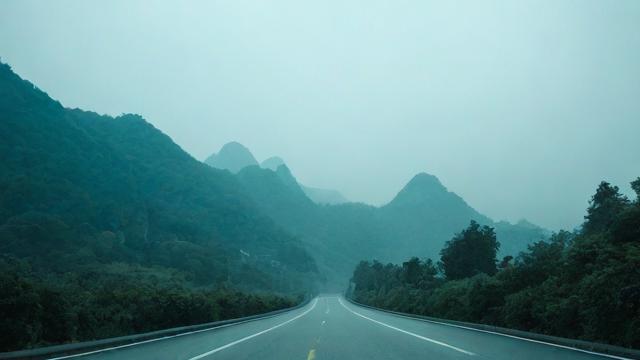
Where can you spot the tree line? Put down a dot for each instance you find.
(37, 310)
(583, 284)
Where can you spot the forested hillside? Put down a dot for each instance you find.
(583, 285)
(85, 199)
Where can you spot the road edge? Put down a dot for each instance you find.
(130, 340)
(580, 345)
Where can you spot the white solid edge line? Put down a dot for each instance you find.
(408, 332)
(513, 336)
(254, 335)
(163, 338)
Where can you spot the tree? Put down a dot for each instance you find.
(605, 206)
(626, 228)
(417, 273)
(541, 260)
(506, 262)
(635, 185)
(470, 252)
(412, 271)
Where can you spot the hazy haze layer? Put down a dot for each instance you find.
(519, 107)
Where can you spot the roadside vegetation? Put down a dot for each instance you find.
(583, 284)
(39, 310)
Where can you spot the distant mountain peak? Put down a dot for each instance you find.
(421, 187)
(234, 147)
(317, 195)
(233, 156)
(423, 180)
(272, 163)
(424, 191)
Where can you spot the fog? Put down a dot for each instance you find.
(522, 108)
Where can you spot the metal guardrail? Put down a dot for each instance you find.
(577, 344)
(88, 346)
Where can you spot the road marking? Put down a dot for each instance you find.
(512, 336)
(315, 301)
(518, 337)
(164, 337)
(408, 332)
(312, 354)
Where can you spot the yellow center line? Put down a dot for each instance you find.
(312, 354)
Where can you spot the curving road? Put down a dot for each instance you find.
(332, 328)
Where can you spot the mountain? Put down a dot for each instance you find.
(424, 196)
(233, 157)
(83, 191)
(425, 206)
(417, 222)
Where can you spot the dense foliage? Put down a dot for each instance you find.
(471, 252)
(583, 285)
(38, 310)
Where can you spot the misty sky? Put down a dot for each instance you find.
(519, 107)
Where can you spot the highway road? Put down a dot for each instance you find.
(330, 327)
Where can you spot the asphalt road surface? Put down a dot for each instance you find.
(330, 327)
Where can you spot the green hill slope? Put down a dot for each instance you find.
(78, 190)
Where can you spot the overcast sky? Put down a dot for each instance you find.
(520, 107)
